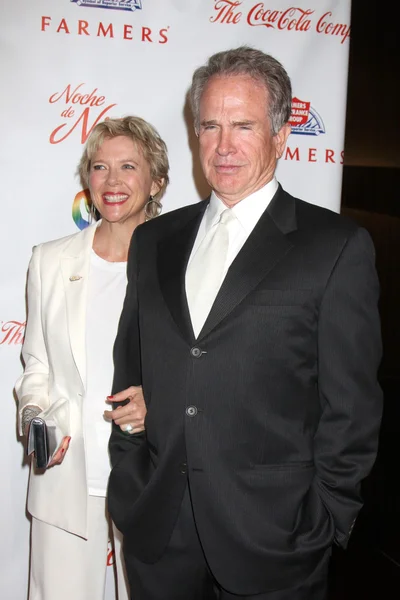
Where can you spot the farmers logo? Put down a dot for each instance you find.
(304, 119)
(130, 5)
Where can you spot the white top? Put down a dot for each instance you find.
(247, 212)
(106, 293)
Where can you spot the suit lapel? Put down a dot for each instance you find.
(173, 256)
(75, 265)
(264, 248)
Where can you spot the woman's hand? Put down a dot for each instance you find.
(61, 452)
(129, 417)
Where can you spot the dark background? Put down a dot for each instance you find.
(370, 567)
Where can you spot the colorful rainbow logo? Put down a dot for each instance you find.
(81, 209)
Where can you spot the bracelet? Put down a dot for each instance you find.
(28, 413)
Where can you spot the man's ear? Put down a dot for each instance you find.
(281, 138)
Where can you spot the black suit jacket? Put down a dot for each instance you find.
(272, 412)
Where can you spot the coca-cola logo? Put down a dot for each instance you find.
(82, 110)
(12, 332)
(293, 18)
(110, 555)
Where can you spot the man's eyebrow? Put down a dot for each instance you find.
(205, 123)
(241, 123)
(210, 122)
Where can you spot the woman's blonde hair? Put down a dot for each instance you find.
(144, 135)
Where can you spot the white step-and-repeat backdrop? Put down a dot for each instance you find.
(68, 64)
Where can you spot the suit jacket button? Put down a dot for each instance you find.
(183, 468)
(196, 352)
(191, 411)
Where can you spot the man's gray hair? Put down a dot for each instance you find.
(262, 67)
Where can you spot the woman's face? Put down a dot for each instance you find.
(120, 181)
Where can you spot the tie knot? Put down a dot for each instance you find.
(226, 216)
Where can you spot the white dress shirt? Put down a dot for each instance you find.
(247, 212)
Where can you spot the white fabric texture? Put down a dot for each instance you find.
(65, 566)
(205, 271)
(106, 292)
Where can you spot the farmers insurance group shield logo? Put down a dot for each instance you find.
(304, 118)
(116, 4)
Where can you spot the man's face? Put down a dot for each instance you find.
(238, 153)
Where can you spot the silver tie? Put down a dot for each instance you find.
(205, 271)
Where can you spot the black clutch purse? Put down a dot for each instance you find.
(44, 439)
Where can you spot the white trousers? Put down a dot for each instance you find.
(65, 566)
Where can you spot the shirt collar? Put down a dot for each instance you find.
(247, 211)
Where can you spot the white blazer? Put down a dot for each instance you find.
(55, 369)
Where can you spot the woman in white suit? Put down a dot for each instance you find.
(76, 288)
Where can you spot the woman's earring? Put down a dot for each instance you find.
(152, 208)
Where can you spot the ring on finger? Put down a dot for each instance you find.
(128, 428)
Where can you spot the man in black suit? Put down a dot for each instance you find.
(258, 365)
